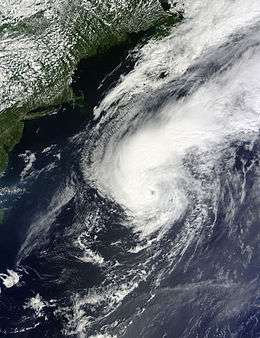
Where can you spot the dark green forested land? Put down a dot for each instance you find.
(42, 95)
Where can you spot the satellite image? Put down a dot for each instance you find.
(129, 168)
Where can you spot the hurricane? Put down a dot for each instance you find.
(143, 221)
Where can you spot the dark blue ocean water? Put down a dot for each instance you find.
(211, 289)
